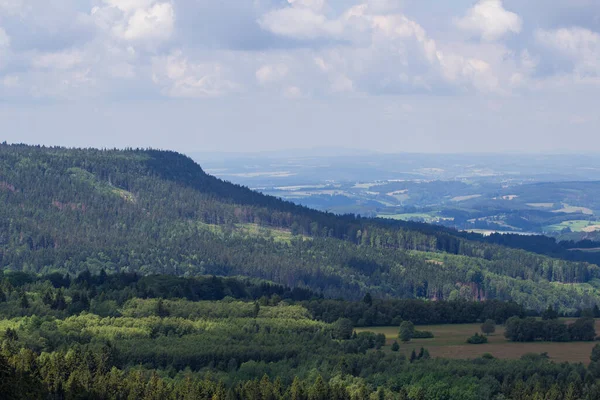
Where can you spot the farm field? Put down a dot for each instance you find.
(450, 342)
(407, 217)
(575, 226)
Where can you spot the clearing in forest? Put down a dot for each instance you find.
(450, 342)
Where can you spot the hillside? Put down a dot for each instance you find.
(158, 212)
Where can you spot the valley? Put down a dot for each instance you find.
(508, 193)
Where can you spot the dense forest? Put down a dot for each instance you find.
(157, 212)
(126, 336)
(132, 274)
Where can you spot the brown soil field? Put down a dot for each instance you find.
(450, 342)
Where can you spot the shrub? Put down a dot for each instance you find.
(477, 339)
(423, 335)
(407, 330)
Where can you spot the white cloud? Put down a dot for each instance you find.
(154, 23)
(315, 5)
(10, 81)
(4, 47)
(271, 73)
(365, 46)
(387, 52)
(180, 78)
(129, 5)
(136, 20)
(300, 23)
(384, 6)
(11, 7)
(4, 39)
(490, 20)
(579, 45)
(293, 92)
(61, 60)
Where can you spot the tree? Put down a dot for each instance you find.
(489, 326)
(24, 301)
(256, 309)
(59, 302)
(594, 366)
(342, 329)
(368, 300)
(11, 334)
(296, 390)
(550, 313)
(407, 330)
(595, 356)
(583, 329)
(319, 390)
(413, 355)
(395, 346)
(161, 310)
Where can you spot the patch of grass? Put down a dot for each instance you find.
(408, 217)
(574, 209)
(465, 198)
(278, 235)
(541, 205)
(100, 186)
(575, 225)
(450, 342)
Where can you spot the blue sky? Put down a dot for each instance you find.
(250, 75)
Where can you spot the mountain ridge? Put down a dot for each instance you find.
(152, 211)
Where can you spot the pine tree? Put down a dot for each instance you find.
(319, 390)
(296, 390)
(368, 299)
(24, 301)
(256, 309)
(161, 310)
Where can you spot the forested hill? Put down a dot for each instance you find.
(149, 211)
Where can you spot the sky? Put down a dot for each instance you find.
(264, 75)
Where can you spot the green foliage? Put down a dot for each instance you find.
(549, 313)
(153, 212)
(422, 335)
(407, 331)
(477, 339)
(530, 329)
(342, 329)
(489, 326)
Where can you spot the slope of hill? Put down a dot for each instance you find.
(150, 211)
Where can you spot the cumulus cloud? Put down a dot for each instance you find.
(137, 20)
(490, 20)
(271, 73)
(382, 51)
(60, 60)
(179, 77)
(579, 47)
(294, 48)
(301, 22)
(4, 39)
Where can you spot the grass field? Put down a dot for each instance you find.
(407, 217)
(574, 209)
(574, 225)
(450, 342)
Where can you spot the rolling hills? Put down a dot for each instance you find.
(157, 212)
